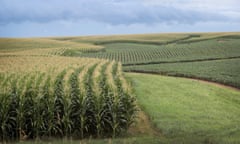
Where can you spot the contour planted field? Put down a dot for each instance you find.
(208, 56)
(223, 71)
(137, 38)
(47, 93)
(43, 47)
(58, 96)
(137, 53)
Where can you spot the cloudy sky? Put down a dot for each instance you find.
(30, 18)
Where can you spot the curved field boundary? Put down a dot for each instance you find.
(131, 54)
(146, 42)
(215, 82)
(187, 39)
(181, 61)
(210, 38)
(188, 111)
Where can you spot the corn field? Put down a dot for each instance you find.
(43, 47)
(63, 97)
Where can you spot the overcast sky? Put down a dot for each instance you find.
(28, 18)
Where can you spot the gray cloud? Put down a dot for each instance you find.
(114, 12)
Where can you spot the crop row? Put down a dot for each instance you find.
(129, 53)
(225, 71)
(42, 47)
(75, 101)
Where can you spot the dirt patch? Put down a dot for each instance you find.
(143, 126)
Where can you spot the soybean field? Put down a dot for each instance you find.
(224, 71)
(135, 54)
(213, 57)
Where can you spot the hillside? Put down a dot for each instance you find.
(197, 55)
(92, 88)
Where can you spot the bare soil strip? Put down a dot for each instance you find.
(143, 126)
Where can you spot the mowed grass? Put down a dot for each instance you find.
(188, 111)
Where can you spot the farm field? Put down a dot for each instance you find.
(223, 71)
(158, 39)
(203, 56)
(63, 97)
(42, 47)
(85, 88)
(182, 115)
(133, 54)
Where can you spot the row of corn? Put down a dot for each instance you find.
(37, 105)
